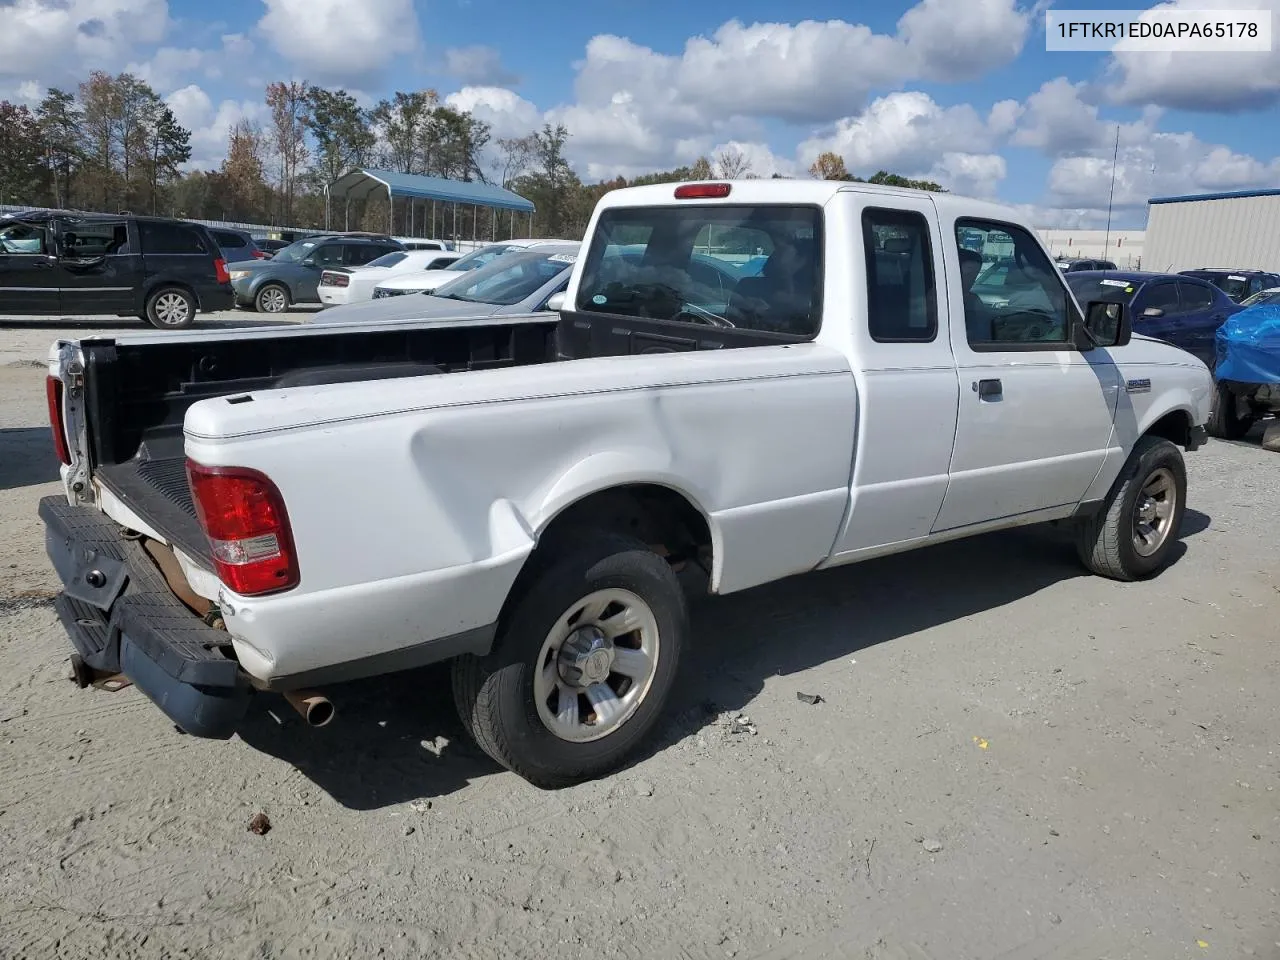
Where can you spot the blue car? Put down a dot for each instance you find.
(1183, 311)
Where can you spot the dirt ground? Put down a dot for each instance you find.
(1010, 759)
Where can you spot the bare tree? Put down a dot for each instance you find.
(514, 156)
(732, 164)
(288, 103)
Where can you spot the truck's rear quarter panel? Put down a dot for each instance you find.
(415, 502)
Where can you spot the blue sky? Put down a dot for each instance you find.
(961, 91)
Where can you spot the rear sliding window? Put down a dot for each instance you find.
(746, 267)
(169, 238)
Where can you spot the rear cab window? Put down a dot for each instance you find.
(754, 268)
(901, 295)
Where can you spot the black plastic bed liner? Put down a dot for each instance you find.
(158, 492)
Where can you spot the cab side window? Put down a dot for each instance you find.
(901, 296)
(89, 239)
(329, 255)
(1014, 297)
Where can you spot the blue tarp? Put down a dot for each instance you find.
(1249, 345)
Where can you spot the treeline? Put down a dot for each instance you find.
(114, 145)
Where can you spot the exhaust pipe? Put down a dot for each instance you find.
(313, 707)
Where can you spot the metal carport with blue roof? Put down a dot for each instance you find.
(365, 183)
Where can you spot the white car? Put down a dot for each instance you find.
(285, 508)
(342, 285)
(430, 280)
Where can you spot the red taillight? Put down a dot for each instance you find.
(259, 254)
(701, 191)
(53, 391)
(243, 516)
(220, 267)
(334, 280)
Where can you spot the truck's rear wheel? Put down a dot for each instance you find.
(1225, 421)
(1132, 536)
(582, 667)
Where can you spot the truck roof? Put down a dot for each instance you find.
(810, 192)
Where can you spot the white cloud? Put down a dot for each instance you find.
(969, 174)
(478, 66)
(760, 159)
(210, 125)
(949, 41)
(336, 41)
(1201, 81)
(1056, 120)
(59, 41)
(906, 132)
(507, 113)
(809, 71)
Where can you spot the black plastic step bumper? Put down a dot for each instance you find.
(122, 617)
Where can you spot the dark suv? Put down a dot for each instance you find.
(293, 274)
(1236, 284)
(155, 268)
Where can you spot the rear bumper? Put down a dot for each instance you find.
(217, 298)
(121, 617)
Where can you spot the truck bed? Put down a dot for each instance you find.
(138, 391)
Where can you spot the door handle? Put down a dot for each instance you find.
(44, 264)
(989, 390)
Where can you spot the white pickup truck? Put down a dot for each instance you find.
(761, 378)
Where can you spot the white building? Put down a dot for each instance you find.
(1122, 247)
(1238, 230)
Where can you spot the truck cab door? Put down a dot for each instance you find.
(100, 268)
(905, 371)
(28, 275)
(1036, 413)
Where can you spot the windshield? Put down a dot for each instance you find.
(388, 259)
(485, 255)
(1109, 289)
(1262, 296)
(296, 251)
(508, 280)
(686, 264)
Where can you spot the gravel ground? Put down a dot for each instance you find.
(1010, 759)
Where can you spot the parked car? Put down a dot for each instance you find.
(1262, 296)
(1178, 309)
(293, 274)
(517, 283)
(342, 285)
(1004, 284)
(158, 269)
(270, 246)
(1237, 284)
(1247, 376)
(236, 245)
(1075, 266)
(430, 280)
(423, 243)
(518, 495)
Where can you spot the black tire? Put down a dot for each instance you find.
(1225, 421)
(494, 694)
(170, 308)
(1105, 541)
(272, 298)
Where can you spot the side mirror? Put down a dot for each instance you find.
(309, 262)
(1153, 312)
(1107, 324)
(555, 302)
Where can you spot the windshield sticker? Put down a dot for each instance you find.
(1232, 276)
(1114, 283)
(599, 298)
(562, 258)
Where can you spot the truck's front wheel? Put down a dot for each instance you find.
(583, 665)
(1133, 535)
